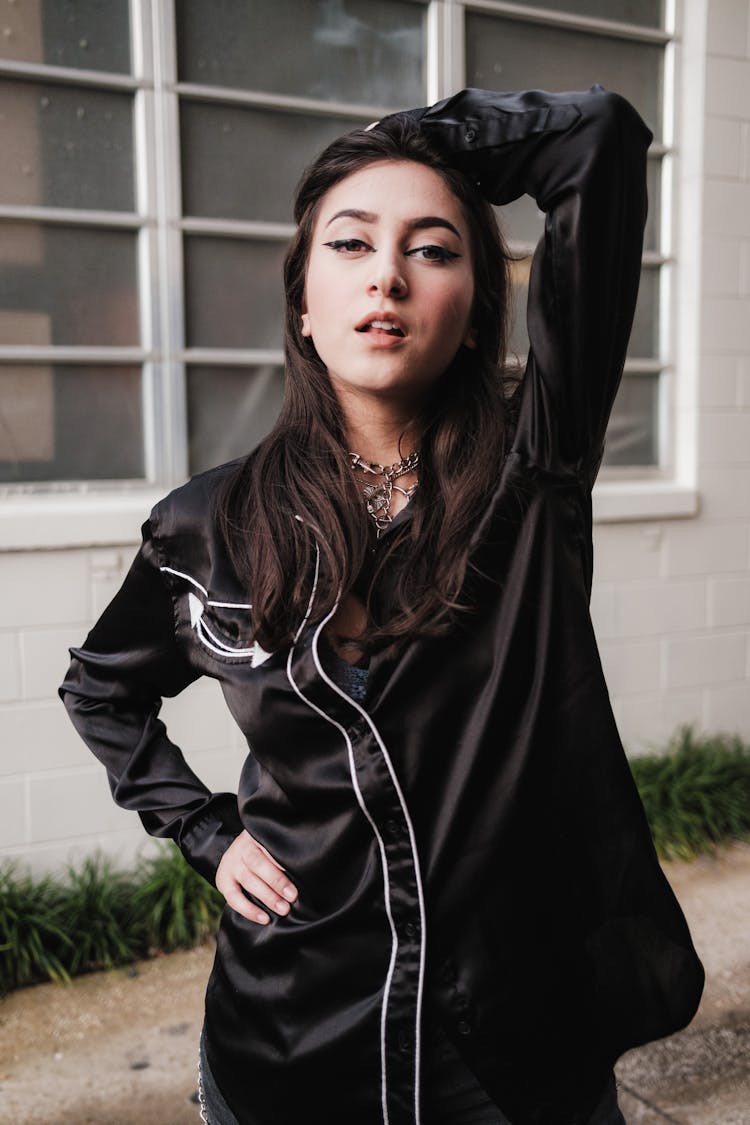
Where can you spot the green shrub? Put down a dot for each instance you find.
(97, 917)
(697, 794)
(176, 906)
(100, 920)
(33, 931)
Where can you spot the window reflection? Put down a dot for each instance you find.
(230, 410)
(70, 423)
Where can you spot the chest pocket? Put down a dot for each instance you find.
(224, 629)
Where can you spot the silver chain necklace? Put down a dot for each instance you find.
(378, 495)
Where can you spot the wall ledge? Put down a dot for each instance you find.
(623, 501)
(56, 521)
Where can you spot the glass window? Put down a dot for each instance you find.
(502, 53)
(81, 146)
(241, 163)
(66, 285)
(85, 34)
(66, 146)
(233, 292)
(522, 220)
(70, 423)
(230, 410)
(644, 337)
(648, 13)
(632, 434)
(332, 50)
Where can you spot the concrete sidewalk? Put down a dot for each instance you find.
(120, 1048)
(702, 1075)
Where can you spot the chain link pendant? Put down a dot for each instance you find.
(378, 496)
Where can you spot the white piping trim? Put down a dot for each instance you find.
(227, 650)
(187, 577)
(229, 605)
(381, 844)
(415, 856)
(198, 586)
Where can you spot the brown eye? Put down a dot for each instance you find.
(432, 254)
(348, 245)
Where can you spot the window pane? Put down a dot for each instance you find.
(648, 13)
(519, 336)
(244, 163)
(70, 423)
(86, 34)
(65, 146)
(522, 221)
(651, 240)
(334, 50)
(632, 437)
(233, 293)
(230, 409)
(644, 338)
(502, 53)
(65, 285)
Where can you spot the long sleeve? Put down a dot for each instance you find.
(582, 156)
(113, 692)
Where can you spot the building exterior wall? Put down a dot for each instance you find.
(671, 603)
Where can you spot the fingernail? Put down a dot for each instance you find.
(263, 919)
(282, 907)
(289, 893)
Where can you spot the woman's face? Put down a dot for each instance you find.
(389, 285)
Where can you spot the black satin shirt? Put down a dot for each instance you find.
(474, 822)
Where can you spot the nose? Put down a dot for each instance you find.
(387, 279)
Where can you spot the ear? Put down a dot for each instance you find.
(306, 325)
(470, 339)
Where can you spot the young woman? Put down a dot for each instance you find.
(443, 904)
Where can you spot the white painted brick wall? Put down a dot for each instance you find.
(54, 796)
(671, 600)
(685, 584)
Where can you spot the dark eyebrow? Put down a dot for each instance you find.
(353, 213)
(434, 221)
(425, 223)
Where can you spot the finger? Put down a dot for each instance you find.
(271, 873)
(267, 894)
(239, 902)
(267, 853)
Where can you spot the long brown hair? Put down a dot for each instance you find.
(295, 495)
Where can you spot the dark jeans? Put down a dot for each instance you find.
(214, 1110)
(451, 1093)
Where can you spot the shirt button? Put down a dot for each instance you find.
(410, 929)
(392, 826)
(463, 1027)
(404, 1040)
(470, 135)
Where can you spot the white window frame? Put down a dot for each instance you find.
(60, 516)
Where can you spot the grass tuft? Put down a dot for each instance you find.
(177, 906)
(697, 794)
(98, 917)
(101, 923)
(33, 932)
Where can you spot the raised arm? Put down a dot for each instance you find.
(113, 692)
(582, 156)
